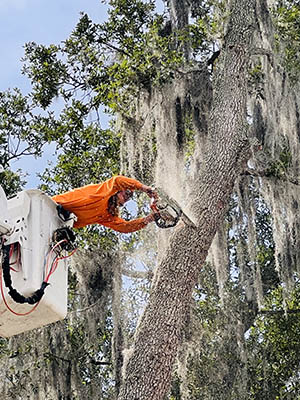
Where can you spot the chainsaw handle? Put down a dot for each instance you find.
(157, 217)
(153, 205)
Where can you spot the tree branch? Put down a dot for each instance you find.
(137, 274)
(94, 362)
(51, 355)
(265, 173)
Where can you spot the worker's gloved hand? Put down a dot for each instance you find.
(150, 192)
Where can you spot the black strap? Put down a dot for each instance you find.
(16, 296)
(63, 213)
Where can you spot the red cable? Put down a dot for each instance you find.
(55, 264)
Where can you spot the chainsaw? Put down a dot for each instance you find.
(167, 211)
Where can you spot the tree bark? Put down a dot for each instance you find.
(149, 368)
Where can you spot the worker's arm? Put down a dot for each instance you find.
(120, 183)
(120, 225)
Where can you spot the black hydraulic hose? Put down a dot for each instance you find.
(16, 296)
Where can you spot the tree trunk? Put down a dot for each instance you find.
(149, 368)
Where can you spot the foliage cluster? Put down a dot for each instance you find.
(279, 168)
(231, 361)
(287, 19)
(110, 62)
(256, 80)
(274, 347)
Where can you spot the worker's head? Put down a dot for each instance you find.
(123, 196)
(118, 199)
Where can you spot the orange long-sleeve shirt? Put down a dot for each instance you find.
(90, 204)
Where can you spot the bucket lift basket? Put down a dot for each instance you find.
(29, 224)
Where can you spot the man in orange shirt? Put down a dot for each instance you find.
(99, 204)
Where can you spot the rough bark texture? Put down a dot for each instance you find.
(148, 371)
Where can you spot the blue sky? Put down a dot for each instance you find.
(43, 22)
